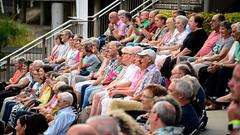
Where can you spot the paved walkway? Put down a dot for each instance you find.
(217, 123)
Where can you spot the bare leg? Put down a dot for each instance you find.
(95, 101)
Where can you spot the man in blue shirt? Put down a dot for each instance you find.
(65, 116)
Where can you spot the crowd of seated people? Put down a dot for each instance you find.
(164, 72)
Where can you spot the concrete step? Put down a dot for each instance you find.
(182, 1)
(185, 7)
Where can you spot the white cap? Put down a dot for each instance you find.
(148, 52)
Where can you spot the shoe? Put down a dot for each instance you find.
(214, 107)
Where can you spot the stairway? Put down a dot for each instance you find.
(7, 6)
(186, 5)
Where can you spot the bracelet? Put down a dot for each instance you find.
(233, 125)
(221, 64)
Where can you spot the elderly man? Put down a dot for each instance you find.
(113, 51)
(234, 108)
(182, 91)
(104, 125)
(163, 119)
(146, 31)
(82, 129)
(116, 28)
(65, 116)
(150, 75)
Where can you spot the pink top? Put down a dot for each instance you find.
(209, 44)
(53, 102)
(138, 77)
(78, 57)
(121, 28)
(16, 76)
(166, 38)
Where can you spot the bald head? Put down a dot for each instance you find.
(104, 125)
(144, 16)
(82, 129)
(113, 17)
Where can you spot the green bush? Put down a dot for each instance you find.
(13, 34)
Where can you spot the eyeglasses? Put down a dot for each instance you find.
(147, 97)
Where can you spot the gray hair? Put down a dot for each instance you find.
(68, 32)
(121, 12)
(38, 63)
(58, 84)
(95, 41)
(184, 87)
(63, 78)
(66, 96)
(104, 125)
(237, 26)
(175, 103)
(166, 112)
(183, 19)
(20, 60)
(115, 43)
(194, 82)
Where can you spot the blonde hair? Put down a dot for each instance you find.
(126, 123)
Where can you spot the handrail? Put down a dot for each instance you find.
(109, 9)
(27, 45)
(100, 12)
(135, 9)
(146, 7)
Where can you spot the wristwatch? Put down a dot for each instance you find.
(234, 125)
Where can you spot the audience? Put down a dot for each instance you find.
(115, 75)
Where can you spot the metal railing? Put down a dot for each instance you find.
(98, 22)
(37, 49)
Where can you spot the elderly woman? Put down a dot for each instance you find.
(179, 35)
(220, 49)
(14, 89)
(173, 44)
(57, 51)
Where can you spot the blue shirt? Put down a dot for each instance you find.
(63, 120)
(92, 61)
(170, 130)
(151, 75)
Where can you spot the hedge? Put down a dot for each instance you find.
(13, 34)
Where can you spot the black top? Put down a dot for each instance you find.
(194, 41)
(189, 119)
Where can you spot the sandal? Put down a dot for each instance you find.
(214, 107)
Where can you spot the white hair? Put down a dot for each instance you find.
(183, 19)
(194, 82)
(184, 87)
(39, 63)
(66, 96)
(237, 26)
